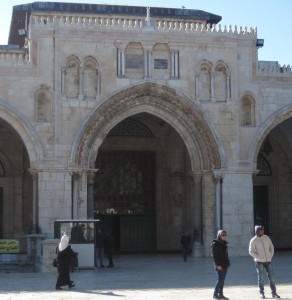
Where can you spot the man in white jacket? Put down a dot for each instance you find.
(262, 250)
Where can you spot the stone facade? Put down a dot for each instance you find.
(195, 94)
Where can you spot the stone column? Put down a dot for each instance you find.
(75, 193)
(197, 86)
(174, 64)
(34, 174)
(197, 215)
(63, 82)
(147, 63)
(228, 87)
(237, 209)
(212, 88)
(90, 198)
(218, 202)
(80, 95)
(97, 82)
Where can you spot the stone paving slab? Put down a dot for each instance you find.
(151, 277)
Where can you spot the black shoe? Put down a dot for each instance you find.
(222, 297)
(216, 297)
(262, 295)
(58, 288)
(275, 296)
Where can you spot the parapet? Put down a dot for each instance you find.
(273, 68)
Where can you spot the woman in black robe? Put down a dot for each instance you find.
(64, 257)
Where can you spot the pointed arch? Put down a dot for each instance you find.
(22, 127)
(271, 122)
(181, 113)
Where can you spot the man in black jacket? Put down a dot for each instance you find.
(221, 262)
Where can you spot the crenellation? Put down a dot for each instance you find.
(128, 23)
(273, 68)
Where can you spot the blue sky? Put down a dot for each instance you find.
(272, 19)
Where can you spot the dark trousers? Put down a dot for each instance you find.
(221, 274)
(185, 250)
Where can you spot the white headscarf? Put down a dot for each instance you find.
(64, 242)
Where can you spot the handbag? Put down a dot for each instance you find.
(55, 262)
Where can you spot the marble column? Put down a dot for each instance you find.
(34, 174)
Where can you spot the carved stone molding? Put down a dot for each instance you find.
(174, 108)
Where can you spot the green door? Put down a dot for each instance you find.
(138, 233)
(260, 204)
(124, 198)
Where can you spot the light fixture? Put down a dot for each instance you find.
(260, 43)
(22, 32)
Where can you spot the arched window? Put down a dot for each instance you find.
(90, 78)
(221, 86)
(247, 110)
(71, 77)
(204, 81)
(134, 61)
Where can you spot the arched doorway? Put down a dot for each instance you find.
(272, 184)
(181, 131)
(144, 172)
(19, 153)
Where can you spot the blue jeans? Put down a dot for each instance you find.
(221, 274)
(99, 255)
(260, 266)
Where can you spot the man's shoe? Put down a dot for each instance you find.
(262, 295)
(216, 297)
(275, 296)
(222, 297)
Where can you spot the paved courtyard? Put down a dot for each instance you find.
(150, 277)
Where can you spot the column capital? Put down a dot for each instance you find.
(33, 172)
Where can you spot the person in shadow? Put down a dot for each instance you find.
(185, 242)
(99, 244)
(109, 248)
(64, 256)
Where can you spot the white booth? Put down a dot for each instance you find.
(82, 239)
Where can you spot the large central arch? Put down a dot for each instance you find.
(164, 102)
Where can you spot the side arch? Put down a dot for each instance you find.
(164, 102)
(21, 126)
(271, 122)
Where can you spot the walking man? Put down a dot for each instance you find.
(261, 249)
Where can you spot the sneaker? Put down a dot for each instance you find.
(275, 296)
(262, 295)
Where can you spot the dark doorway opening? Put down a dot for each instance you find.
(124, 198)
(1, 214)
(260, 204)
